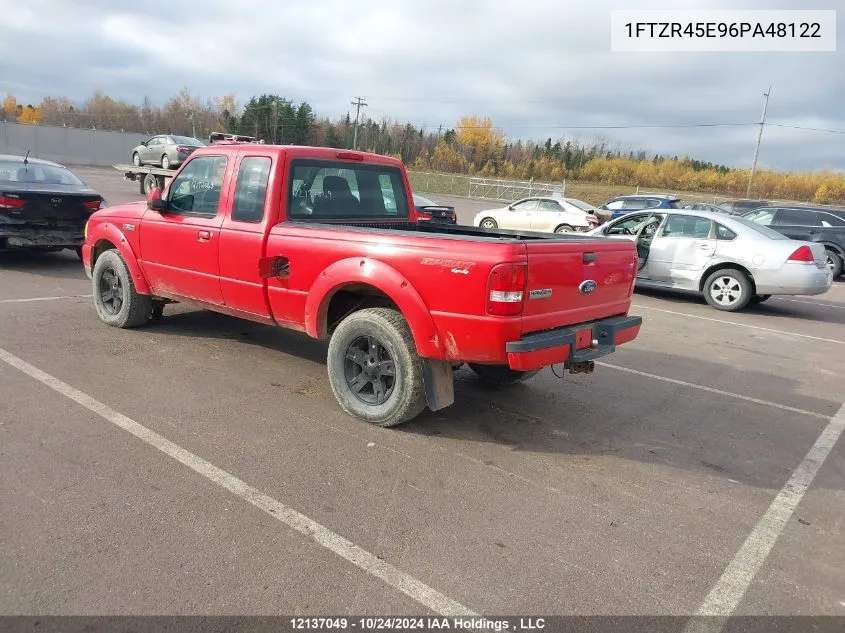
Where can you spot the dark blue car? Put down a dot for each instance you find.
(623, 205)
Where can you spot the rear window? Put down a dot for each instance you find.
(340, 190)
(187, 140)
(759, 228)
(676, 204)
(36, 173)
(580, 204)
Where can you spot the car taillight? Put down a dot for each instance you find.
(423, 217)
(91, 205)
(183, 150)
(506, 289)
(11, 203)
(804, 255)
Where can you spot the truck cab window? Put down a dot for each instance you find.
(251, 189)
(196, 190)
(337, 190)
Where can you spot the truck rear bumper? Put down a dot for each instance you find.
(571, 345)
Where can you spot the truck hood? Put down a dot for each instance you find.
(130, 210)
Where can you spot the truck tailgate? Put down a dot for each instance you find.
(577, 280)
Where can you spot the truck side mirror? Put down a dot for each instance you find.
(155, 201)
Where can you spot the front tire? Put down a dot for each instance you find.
(117, 302)
(488, 223)
(834, 262)
(501, 375)
(728, 289)
(136, 159)
(374, 369)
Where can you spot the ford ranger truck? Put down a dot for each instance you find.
(328, 242)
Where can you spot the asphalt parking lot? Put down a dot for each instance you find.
(671, 480)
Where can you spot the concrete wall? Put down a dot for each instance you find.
(70, 146)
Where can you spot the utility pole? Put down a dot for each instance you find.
(759, 137)
(193, 126)
(358, 103)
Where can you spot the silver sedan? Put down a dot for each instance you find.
(731, 260)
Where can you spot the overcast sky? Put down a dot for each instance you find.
(534, 66)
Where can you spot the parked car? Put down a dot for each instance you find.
(166, 150)
(539, 213)
(703, 206)
(813, 224)
(401, 302)
(622, 205)
(731, 260)
(43, 205)
(431, 211)
(738, 207)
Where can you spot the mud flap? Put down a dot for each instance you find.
(439, 384)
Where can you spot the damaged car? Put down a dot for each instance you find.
(43, 205)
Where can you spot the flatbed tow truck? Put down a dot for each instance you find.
(150, 178)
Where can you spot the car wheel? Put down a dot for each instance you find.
(834, 262)
(501, 374)
(165, 162)
(760, 298)
(374, 369)
(728, 289)
(488, 223)
(564, 228)
(117, 302)
(136, 159)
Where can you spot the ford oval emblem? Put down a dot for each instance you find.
(587, 286)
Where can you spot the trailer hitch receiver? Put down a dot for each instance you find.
(581, 367)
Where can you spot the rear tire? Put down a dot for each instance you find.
(834, 262)
(488, 223)
(501, 374)
(148, 183)
(117, 302)
(564, 228)
(165, 162)
(374, 370)
(728, 289)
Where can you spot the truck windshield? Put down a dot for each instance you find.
(339, 190)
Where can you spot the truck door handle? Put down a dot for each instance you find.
(203, 236)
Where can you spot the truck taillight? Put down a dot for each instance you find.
(506, 289)
(802, 256)
(11, 203)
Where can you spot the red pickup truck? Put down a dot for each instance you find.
(328, 242)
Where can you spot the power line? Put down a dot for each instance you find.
(801, 127)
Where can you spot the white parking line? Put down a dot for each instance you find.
(27, 300)
(753, 327)
(323, 536)
(720, 392)
(725, 596)
(812, 303)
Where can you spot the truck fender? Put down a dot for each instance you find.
(382, 276)
(109, 232)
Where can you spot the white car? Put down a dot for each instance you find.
(548, 214)
(731, 260)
